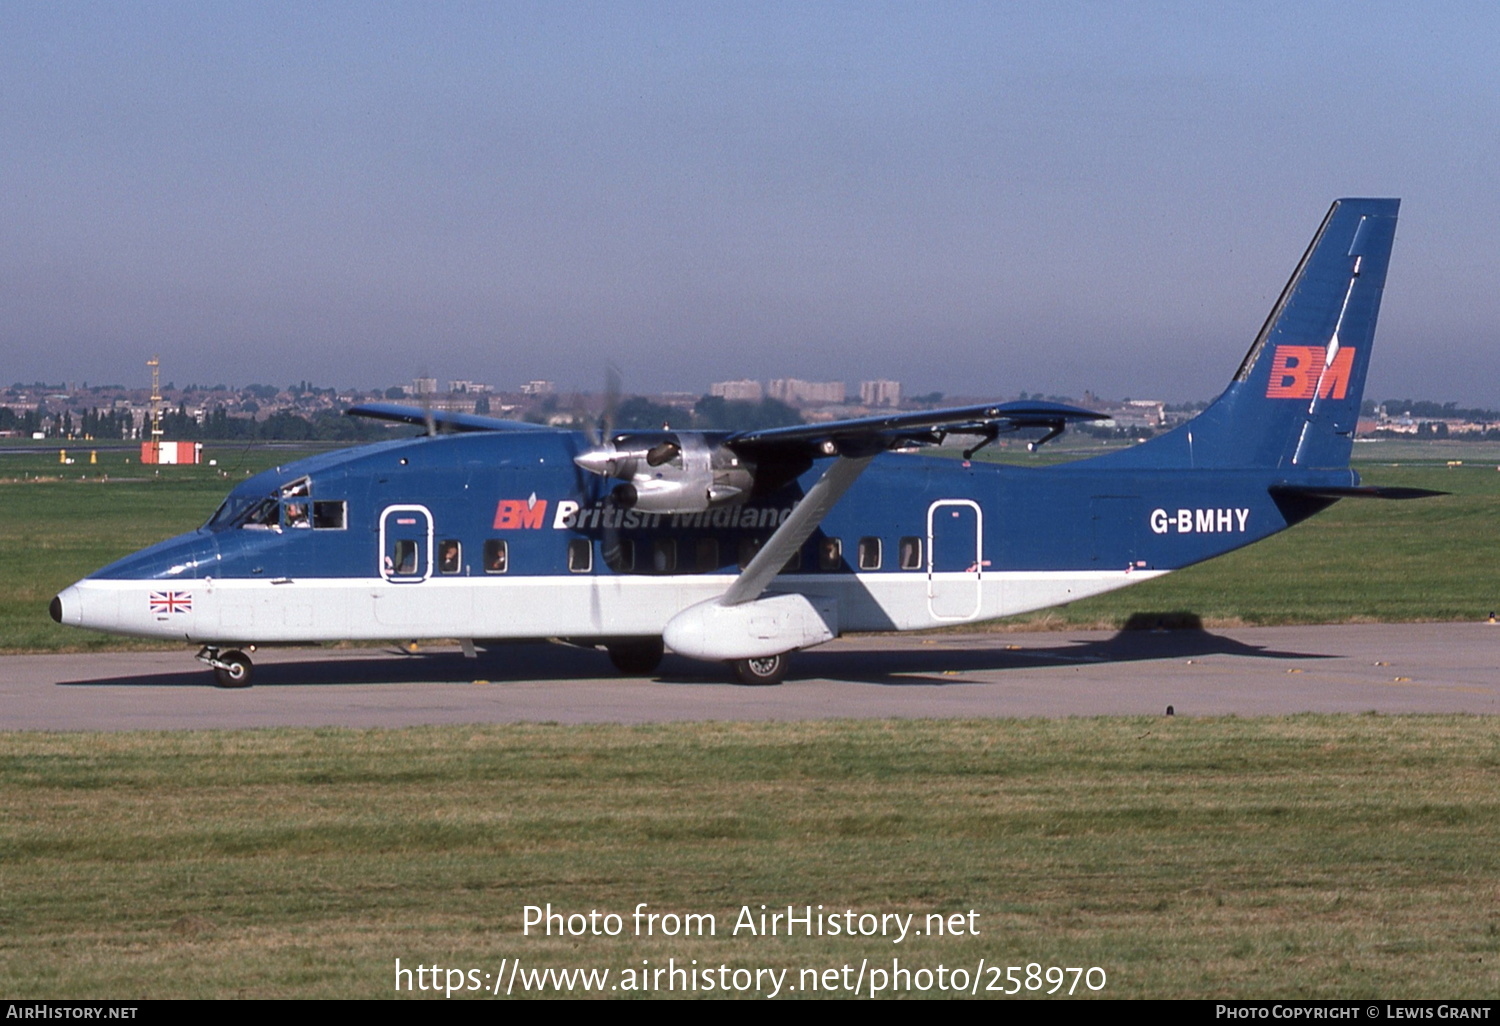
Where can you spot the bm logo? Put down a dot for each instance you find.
(1297, 372)
(518, 514)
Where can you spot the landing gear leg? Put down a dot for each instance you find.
(232, 668)
(637, 657)
(763, 671)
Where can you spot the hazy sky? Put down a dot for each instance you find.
(974, 198)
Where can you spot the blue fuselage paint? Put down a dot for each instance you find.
(1061, 518)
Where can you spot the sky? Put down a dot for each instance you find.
(978, 199)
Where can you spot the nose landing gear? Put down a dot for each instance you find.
(232, 668)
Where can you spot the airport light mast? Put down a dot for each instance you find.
(155, 364)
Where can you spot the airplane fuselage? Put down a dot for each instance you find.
(491, 536)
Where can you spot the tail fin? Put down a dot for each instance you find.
(1295, 399)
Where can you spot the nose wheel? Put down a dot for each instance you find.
(232, 668)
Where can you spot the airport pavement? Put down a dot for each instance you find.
(1356, 668)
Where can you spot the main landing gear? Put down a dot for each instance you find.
(232, 668)
(636, 657)
(760, 672)
(639, 657)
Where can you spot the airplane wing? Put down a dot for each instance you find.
(855, 443)
(868, 435)
(445, 420)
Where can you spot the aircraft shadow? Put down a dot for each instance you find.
(925, 667)
(916, 665)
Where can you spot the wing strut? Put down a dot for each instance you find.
(795, 530)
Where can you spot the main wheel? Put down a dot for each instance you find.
(636, 657)
(762, 671)
(236, 671)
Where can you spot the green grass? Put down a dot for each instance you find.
(1348, 857)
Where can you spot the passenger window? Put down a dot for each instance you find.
(404, 557)
(329, 516)
(794, 564)
(621, 556)
(830, 554)
(748, 548)
(450, 556)
(664, 556)
(869, 553)
(495, 556)
(707, 554)
(911, 553)
(580, 555)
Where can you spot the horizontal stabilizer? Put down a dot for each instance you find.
(1352, 492)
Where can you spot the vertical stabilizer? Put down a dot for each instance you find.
(1295, 400)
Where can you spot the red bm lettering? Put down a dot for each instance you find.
(513, 514)
(1297, 373)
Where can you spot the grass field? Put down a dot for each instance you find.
(1348, 857)
(1431, 559)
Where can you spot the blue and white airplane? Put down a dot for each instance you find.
(744, 547)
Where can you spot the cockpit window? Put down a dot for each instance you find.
(329, 516)
(264, 514)
(287, 506)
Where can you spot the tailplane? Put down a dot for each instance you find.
(1295, 400)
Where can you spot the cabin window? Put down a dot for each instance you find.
(620, 556)
(794, 564)
(664, 556)
(830, 554)
(911, 553)
(707, 554)
(450, 556)
(495, 556)
(869, 553)
(580, 555)
(329, 516)
(748, 548)
(404, 556)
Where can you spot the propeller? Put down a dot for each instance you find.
(603, 462)
(426, 397)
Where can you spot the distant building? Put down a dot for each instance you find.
(813, 393)
(467, 388)
(1137, 413)
(744, 389)
(880, 393)
(424, 386)
(538, 388)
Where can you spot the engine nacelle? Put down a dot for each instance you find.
(679, 472)
(753, 630)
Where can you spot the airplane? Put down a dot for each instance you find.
(743, 547)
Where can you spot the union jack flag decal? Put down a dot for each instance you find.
(171, 602)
